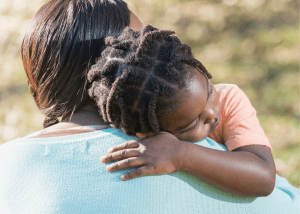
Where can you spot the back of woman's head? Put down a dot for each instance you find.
(63, 40)
(138, 74)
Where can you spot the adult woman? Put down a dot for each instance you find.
(45, 173)
(64, 39)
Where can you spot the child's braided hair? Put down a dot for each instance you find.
(137, 75)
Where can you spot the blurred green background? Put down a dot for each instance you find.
(251, 43)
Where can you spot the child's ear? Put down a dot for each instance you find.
(145, 135)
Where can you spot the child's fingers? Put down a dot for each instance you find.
(144, 170)
(129, 162)
(127, 153)
(126, 145)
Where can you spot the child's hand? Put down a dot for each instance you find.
(160, 154)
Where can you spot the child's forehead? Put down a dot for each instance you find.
(193, 70)
(190, 103)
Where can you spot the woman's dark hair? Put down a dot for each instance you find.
(138, 74)
(64, 39)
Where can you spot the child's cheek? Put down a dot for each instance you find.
(193, 136)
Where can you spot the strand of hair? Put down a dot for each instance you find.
(151, 111)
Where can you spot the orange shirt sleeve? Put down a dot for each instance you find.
(239, 125)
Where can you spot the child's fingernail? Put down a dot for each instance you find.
(122, 177)
(109, 150)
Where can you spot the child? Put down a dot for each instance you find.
(148, 84)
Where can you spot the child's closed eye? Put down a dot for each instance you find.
(191, 128)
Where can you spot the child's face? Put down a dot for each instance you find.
(198, 114)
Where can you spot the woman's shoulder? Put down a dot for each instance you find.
(31, 146)
(16, 154)
(17, 148)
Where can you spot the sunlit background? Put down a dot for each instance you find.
(251, 43)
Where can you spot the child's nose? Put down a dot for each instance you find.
(209, 116)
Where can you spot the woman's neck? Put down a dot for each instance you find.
(86, 116)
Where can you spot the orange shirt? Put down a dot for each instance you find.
(239, 125)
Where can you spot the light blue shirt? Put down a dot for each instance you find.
(64, 175)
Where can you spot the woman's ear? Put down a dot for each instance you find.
(135, 23)
(145, 135)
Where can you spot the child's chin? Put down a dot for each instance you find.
(198, 139)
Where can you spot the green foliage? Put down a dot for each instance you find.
(251, 43)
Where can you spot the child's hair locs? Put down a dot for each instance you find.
(138, 74)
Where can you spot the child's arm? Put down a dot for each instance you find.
(246, 171)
